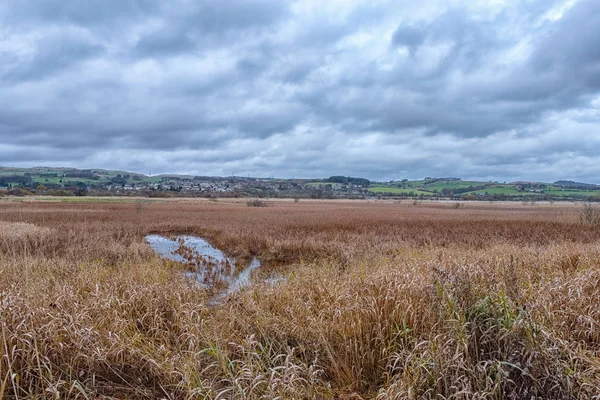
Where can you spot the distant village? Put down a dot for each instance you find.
(239, 186)
(46, 181)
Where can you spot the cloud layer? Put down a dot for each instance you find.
(382, 89)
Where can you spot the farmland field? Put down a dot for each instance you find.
(372, 300)
(469, 189)
(506, 190)
(441, 185)
(397, 190)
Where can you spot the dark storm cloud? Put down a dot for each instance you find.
(378, 89)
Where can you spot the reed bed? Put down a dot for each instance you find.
(379, 301)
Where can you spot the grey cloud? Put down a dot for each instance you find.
(209, 24)
(167, 41)
(52, 55)
(224, 16)
(409, 36)
(571, 49)
(470, 39)
(381, 90)
(507, 99)
(83, 13)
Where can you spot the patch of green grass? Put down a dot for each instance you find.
(407, 184)
(397, 190)
(66, 181)
(504, 190)
(440, 185)
(150, 179)
(510, 190)
(571, 193)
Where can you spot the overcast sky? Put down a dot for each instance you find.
(488, 89)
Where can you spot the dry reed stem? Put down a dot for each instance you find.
(380, 301)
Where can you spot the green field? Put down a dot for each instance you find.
(504, 190)
(397, 190)
(439, 186)
(572, 193)
(427, 188)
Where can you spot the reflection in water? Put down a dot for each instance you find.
(210, 266)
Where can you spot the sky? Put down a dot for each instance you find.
(381, 89)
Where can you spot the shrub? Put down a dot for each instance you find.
(589, 214)
(257, 203)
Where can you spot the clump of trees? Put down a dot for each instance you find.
(23, 180)
(257, 203)
(348, 180)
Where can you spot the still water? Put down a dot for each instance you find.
(209, 266)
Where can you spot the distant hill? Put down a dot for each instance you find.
(577, 185)
(65, 181)
(456, 188)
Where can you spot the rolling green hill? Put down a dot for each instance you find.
(51, 178)
(456, 188)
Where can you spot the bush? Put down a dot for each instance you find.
(19, 192)
(257, 203)
(589, 214)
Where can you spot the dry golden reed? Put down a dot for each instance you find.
(379, 301)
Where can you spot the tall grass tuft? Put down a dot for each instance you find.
(589, 214)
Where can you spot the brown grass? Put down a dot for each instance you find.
(380, 301)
